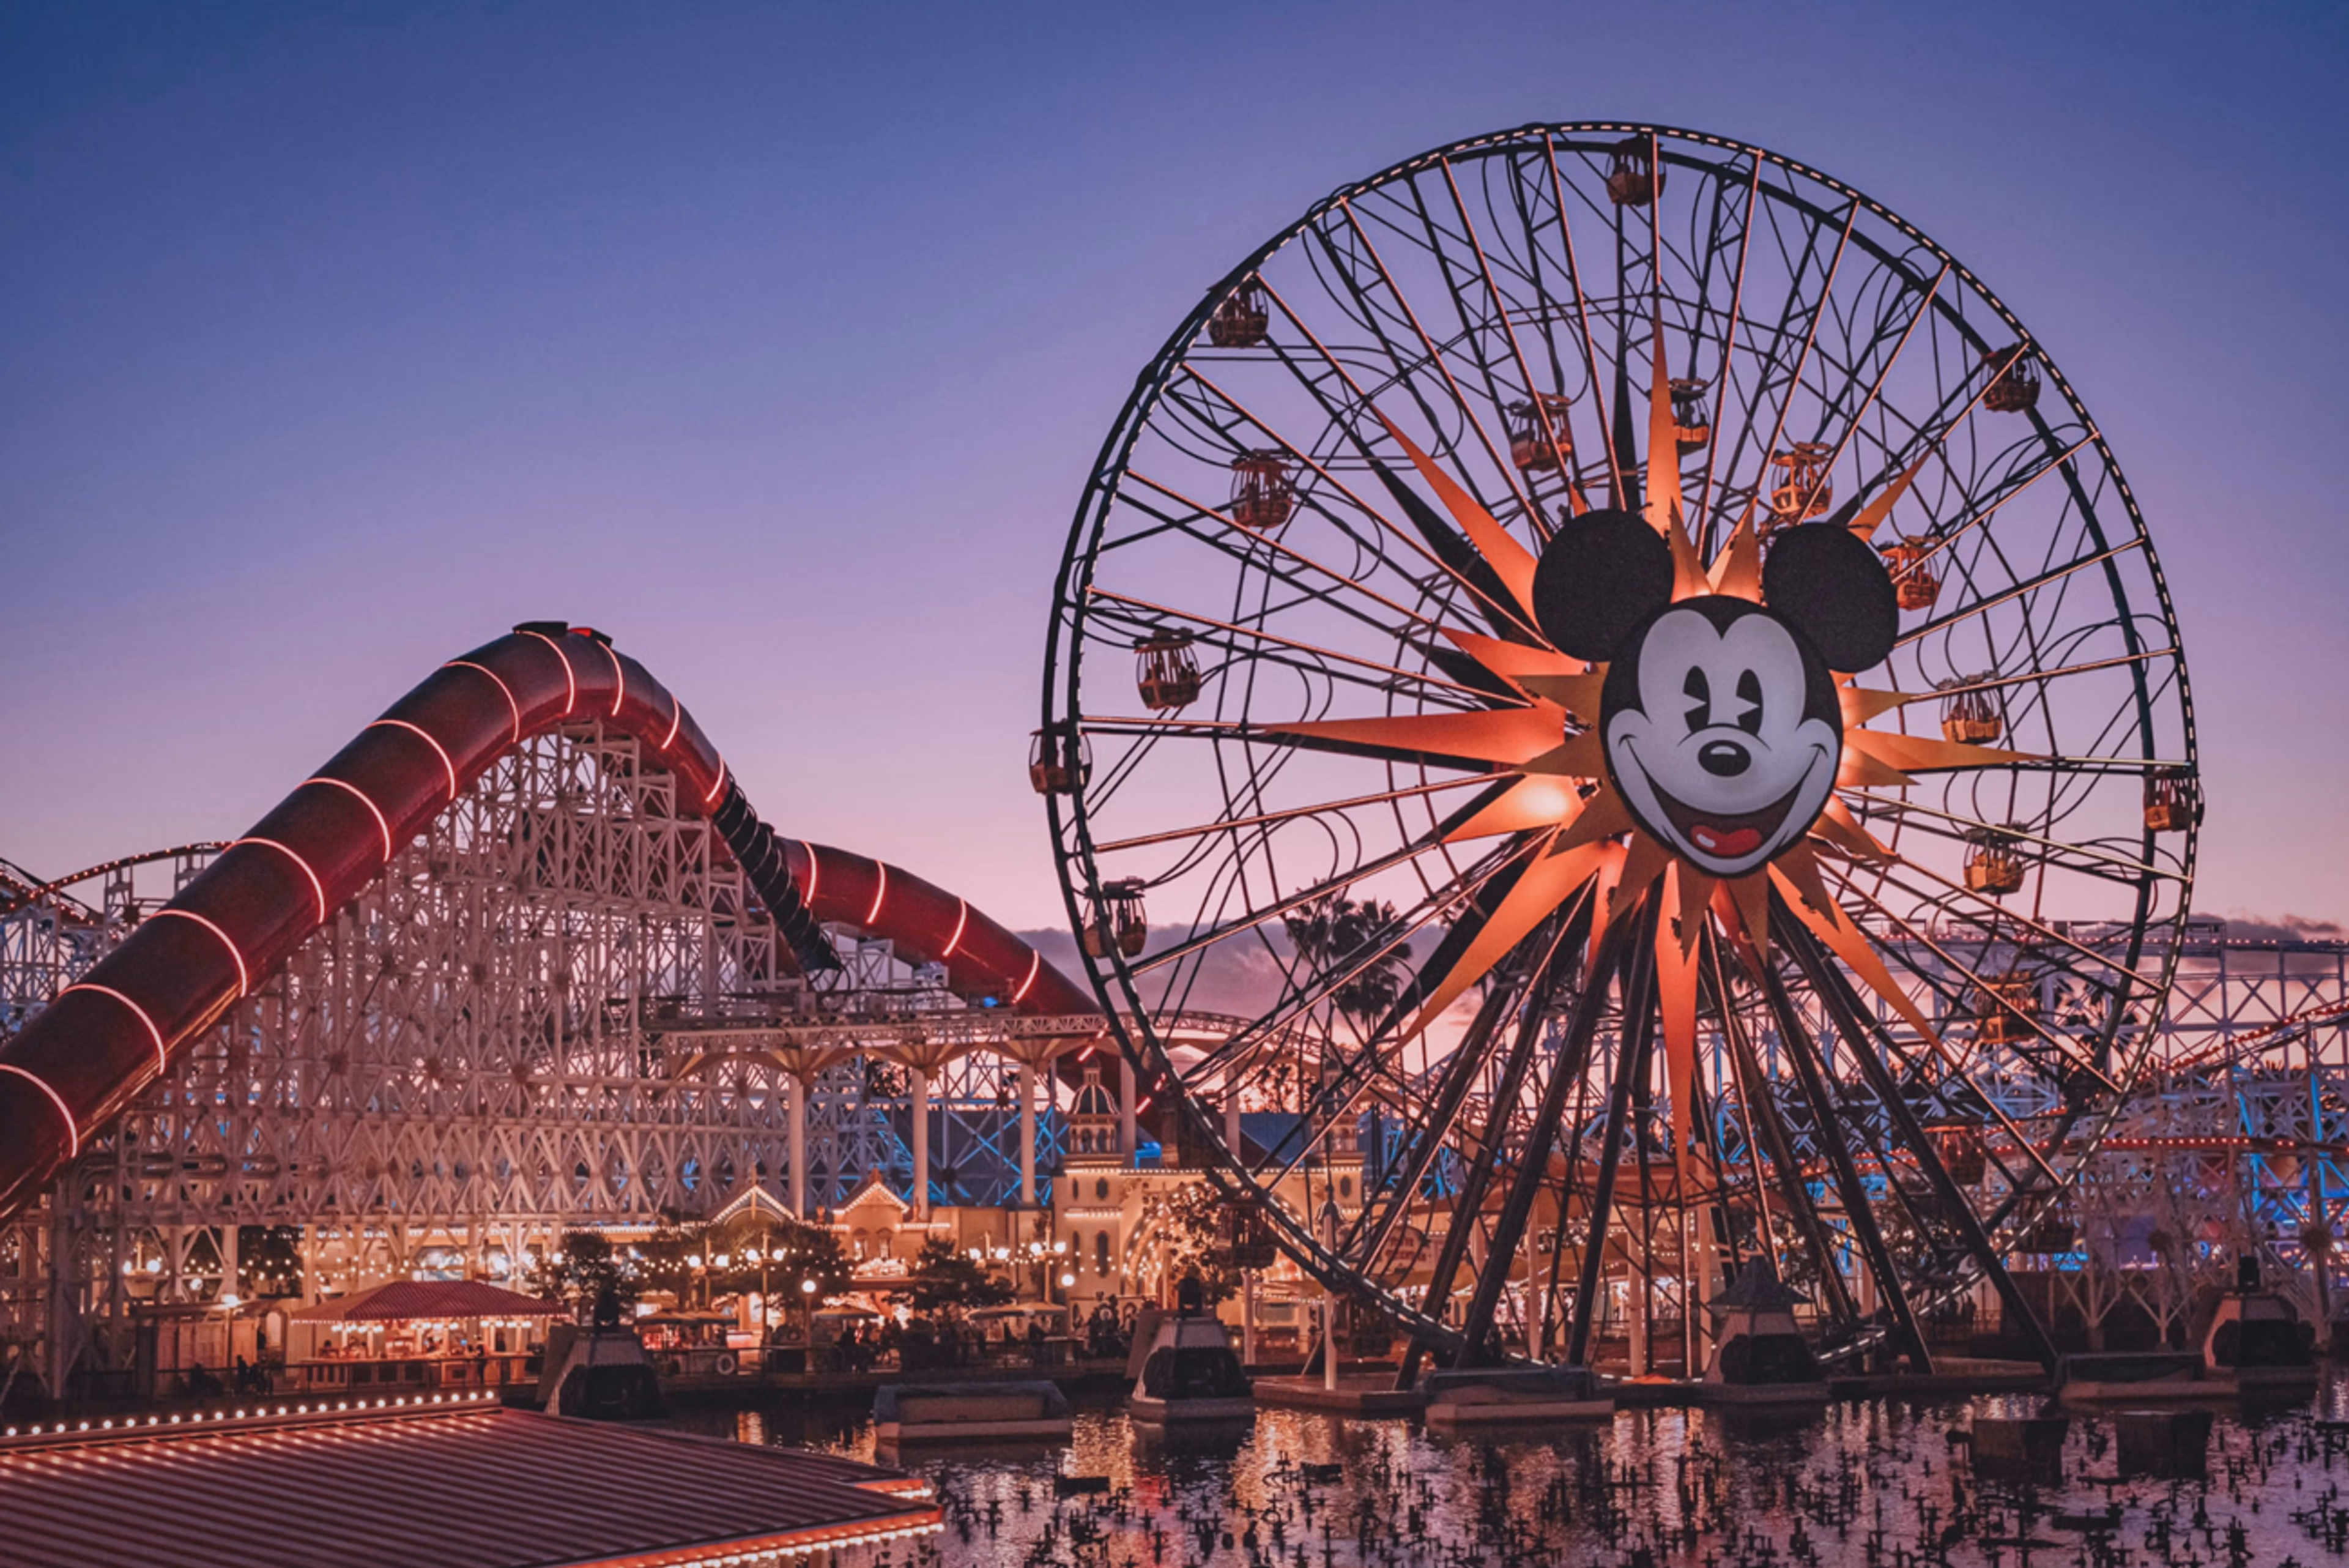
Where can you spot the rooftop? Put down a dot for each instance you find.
(471, 1488)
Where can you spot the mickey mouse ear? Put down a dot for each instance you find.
(1600, 576)
(1833, 587)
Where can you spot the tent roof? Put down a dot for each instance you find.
(1757, 1287)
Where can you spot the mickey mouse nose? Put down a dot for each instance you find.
(1723, 759)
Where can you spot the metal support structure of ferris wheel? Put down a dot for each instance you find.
(1313, 530)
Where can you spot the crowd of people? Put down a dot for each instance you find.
(948, 1340)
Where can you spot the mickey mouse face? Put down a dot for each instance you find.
(1715, 733)
(1719, 717)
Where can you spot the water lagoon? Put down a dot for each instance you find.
(1879, 1484)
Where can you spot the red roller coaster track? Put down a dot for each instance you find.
(111, 1034)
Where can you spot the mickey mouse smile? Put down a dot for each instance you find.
(1728, 836)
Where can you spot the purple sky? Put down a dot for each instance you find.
(778, 340)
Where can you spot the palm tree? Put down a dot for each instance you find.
(1335, 931)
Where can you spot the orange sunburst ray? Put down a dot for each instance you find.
(1741, 905)
(1511, 660)
(1577, 757)
(1860, 770)
(1527, 805)
(1737, 570)
(1604, 816)
(1545, 884)
(1663, 479)
(1797, 874)
(1879, 506)
(1510, 561)
(1913, 753)
(1839, 827)
(1611, 856)
(1643, 861)
(1861, 703)
(1577, 694)
(1510, 735)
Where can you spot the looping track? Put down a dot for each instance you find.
(131, 1018)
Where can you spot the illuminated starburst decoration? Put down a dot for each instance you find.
(1550, 753)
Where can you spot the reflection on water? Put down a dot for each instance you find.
(1879, 1484)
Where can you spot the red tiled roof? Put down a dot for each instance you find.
(404, 1299)
(483, 1489)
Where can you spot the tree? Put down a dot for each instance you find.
(268, 1261)
(1334, 932)
(774, 1256)
(577, 1273)
(944, 1278)
(1199, 1225)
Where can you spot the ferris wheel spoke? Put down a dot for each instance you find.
(1933, 820)
(1980, 511)
(1447, 690)
(1374, 1223)
(1581, 312)
(1959, 903)
(1985, 987)
(1495, 605)
(2041, 677)
(1550, 976)
(1338, 602)
(1335, 976)
(1760, 1105)
(1729, 348)
(1851, 1019)
(1435, 355)
(1471, 345)
(2017, 590)
(1242, 823)
(1249, 921)
(1501, 314)
(1811, 327)
(1556, 422)
(1876, 389)
(1794, 1037)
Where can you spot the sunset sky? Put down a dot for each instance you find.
(779, 339)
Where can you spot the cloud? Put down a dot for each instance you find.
(1241, 978)
(2287, 927)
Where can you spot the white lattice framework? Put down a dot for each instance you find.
(471, 1056)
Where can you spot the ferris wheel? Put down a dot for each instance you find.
(1644, 679)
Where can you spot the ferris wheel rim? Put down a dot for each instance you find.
(1061, 692)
